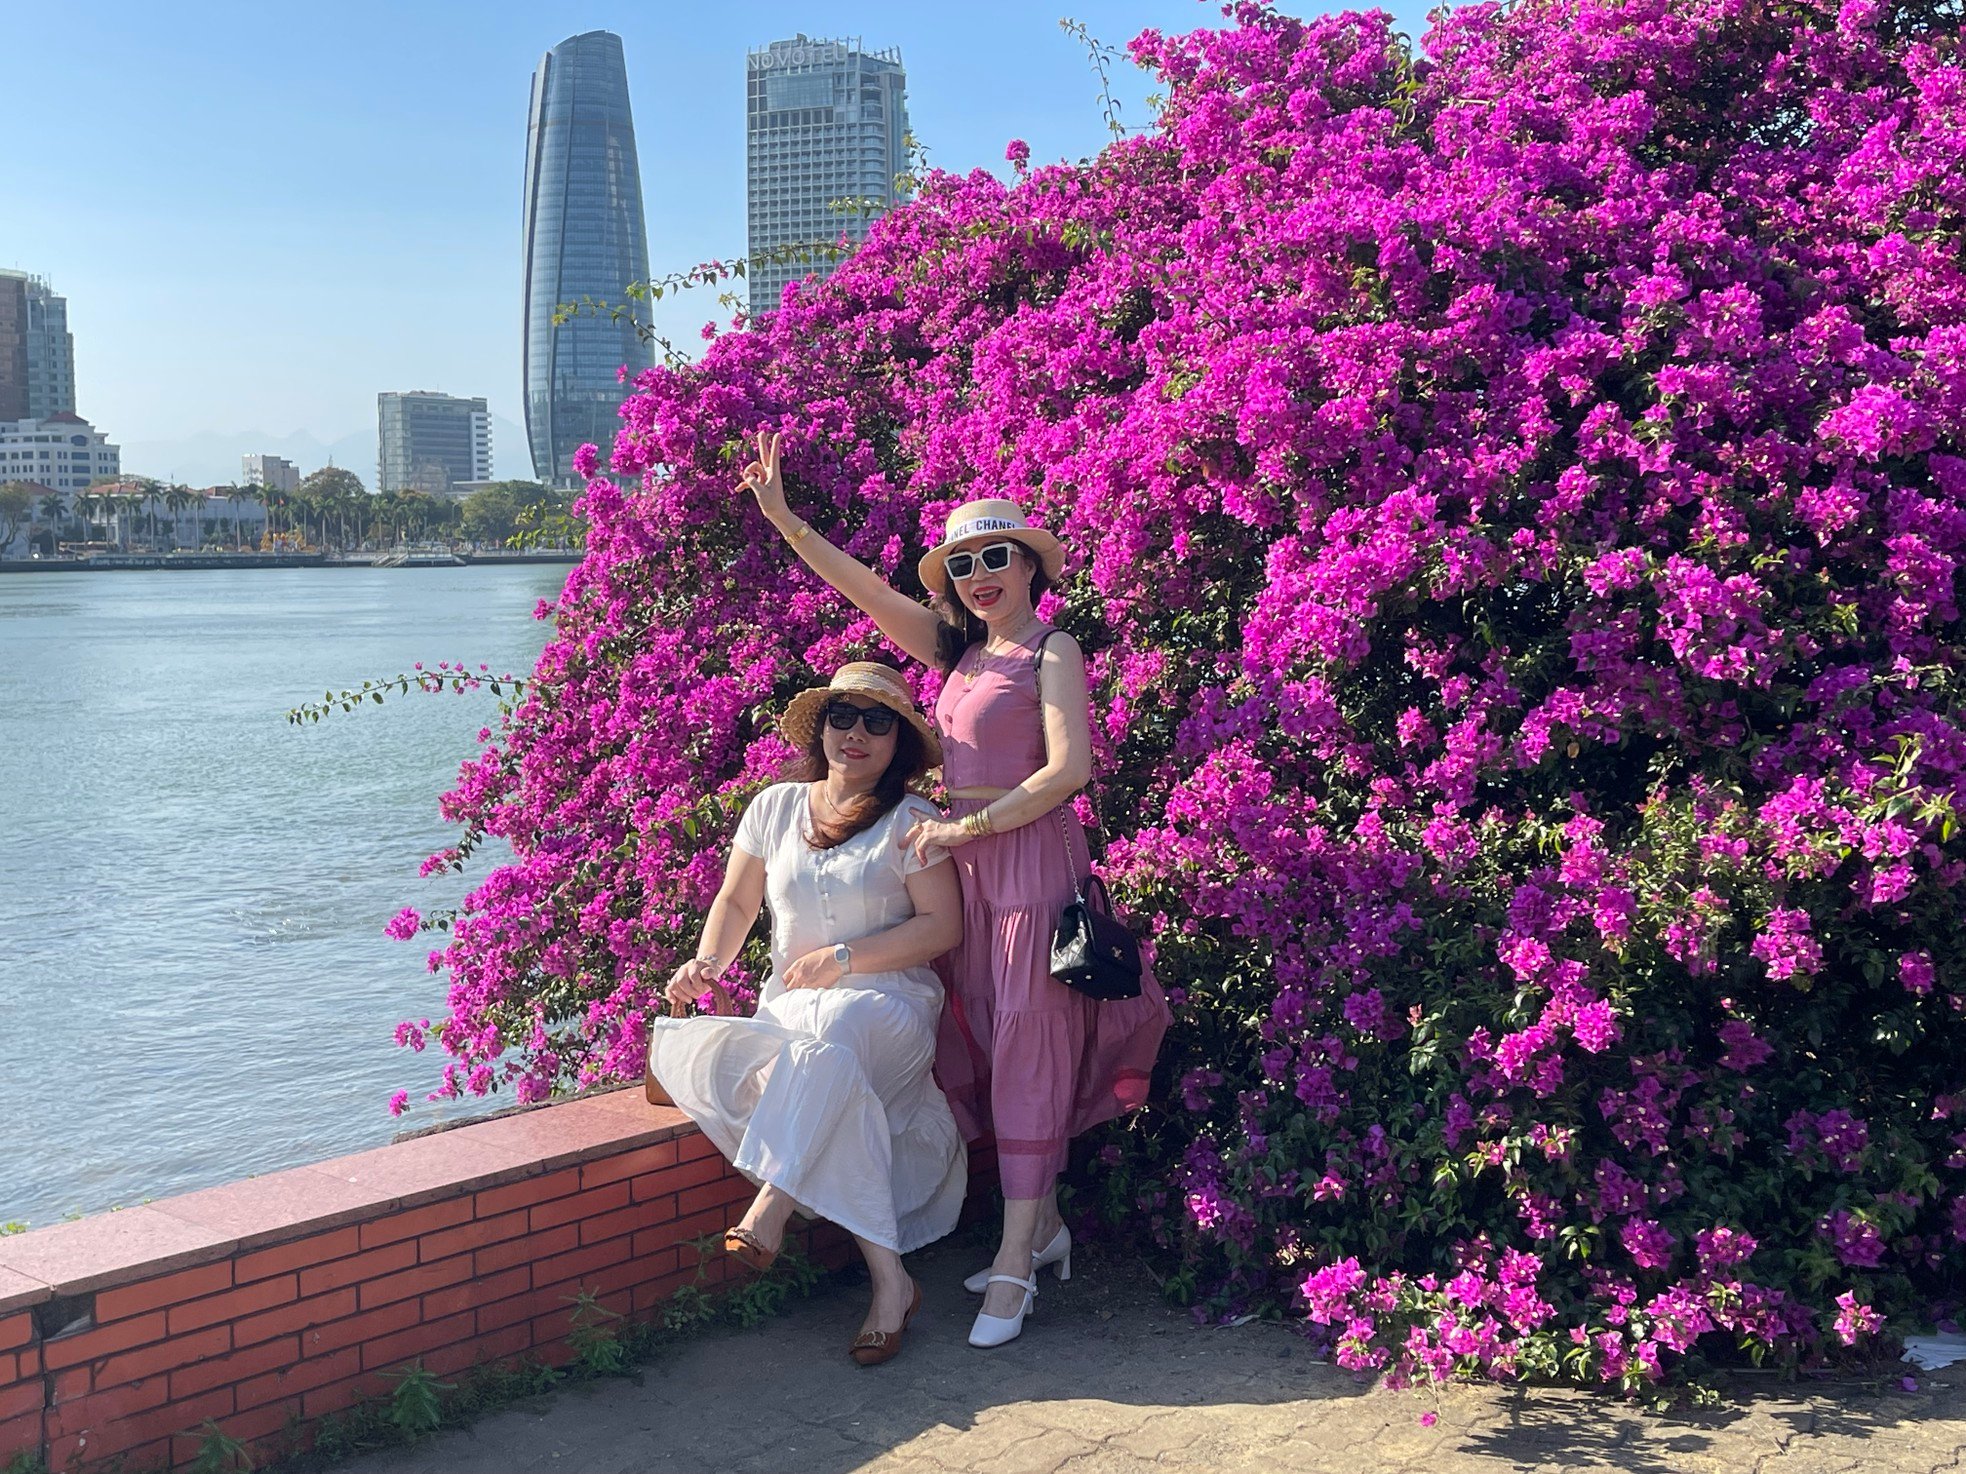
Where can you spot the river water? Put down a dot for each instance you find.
(194, 983)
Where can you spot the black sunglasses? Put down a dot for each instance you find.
(879, 720)
(994, 558)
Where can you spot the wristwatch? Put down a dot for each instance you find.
(843, 955)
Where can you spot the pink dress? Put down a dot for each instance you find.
(1020, 1055)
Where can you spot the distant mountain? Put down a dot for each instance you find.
(212, 457)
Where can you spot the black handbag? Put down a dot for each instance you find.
(1090, 950)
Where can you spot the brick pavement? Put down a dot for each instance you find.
(1109, 1380)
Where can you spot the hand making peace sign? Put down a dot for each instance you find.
(761, 476)
(912, 626)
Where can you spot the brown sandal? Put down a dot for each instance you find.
(871, 1348)
(748, 1250)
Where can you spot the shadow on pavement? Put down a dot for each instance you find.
(1108, 1379)
(1766, 1424)
(1102, 1357)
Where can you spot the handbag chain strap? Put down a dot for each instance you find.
(1065, 833)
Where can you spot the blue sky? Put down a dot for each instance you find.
(261, 215)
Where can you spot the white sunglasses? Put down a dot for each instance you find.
(994, 558)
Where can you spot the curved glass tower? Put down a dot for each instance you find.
(585, 238)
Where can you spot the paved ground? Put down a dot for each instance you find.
(1108, 1380)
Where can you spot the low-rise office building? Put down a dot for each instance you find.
(273, 473)
(63, 451)
(429, 442)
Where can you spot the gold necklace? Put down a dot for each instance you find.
(983, 650)
(829, 810)
(832, 809)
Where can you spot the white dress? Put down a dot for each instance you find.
(826, 1093)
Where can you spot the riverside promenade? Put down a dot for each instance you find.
(1108, 1379)
(262, 1309)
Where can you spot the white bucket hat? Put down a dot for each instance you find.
(993, 519)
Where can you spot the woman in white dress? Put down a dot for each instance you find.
(824, 1097)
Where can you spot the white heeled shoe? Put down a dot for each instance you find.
(994, 1330)
(1058, 1252)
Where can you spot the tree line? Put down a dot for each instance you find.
(331, 510)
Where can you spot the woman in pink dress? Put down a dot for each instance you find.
(1020, 1056)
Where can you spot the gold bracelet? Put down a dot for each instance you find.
(972, 824)
(804, 529)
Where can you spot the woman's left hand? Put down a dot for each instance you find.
(935, 834)
(817, 969)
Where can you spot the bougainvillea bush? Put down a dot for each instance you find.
(1519, 491)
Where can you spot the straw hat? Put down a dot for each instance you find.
(993, 519)
(874, 682)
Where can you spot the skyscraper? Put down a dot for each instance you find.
(585, 239)
(824, 121)
(13, 346)
(37, 353)
(429, 442)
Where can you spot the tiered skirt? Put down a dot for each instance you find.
(1021, 1057)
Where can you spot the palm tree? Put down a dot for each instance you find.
(413, 509)
(389, 514)
(53, 512)
(235, 494)
(446, 514)
(105, 504)
(178, 500)
(148, 492)
(130, 503)
(275, 501)
(352, 505)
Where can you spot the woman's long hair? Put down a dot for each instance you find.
(961, 627)
(865, 810)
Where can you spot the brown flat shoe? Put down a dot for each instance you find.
(871, 1348)
(748, 1249)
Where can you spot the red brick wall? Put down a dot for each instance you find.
(287, 1296)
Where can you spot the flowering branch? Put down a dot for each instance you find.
(446, 677)
(1101, 58)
